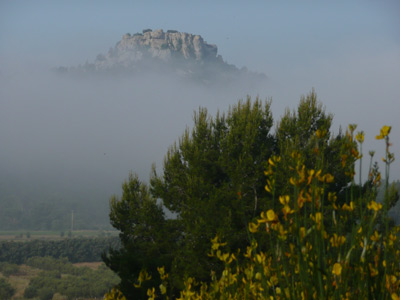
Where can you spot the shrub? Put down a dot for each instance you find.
(310, 243)
(30, 292)
(6, 290)
(45, 294)
(9, 269)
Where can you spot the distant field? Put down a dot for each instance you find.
(24, 235)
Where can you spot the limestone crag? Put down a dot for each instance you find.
(170, 53)
(157, 44)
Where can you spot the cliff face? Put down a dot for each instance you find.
(159, 45)
(183, 54)
(164, 44)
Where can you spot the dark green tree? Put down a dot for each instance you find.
(213, 181)
(6, 290)
(297, 132)
(147, 238)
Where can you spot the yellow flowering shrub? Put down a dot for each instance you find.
(307, 246)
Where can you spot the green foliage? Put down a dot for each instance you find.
(45, 294)
(8, 269)
(213, 180)
(6, 290)
(145, 234)
(76, 250)
(60, 276)
(296, 133)
(313, 247)
(30, 292)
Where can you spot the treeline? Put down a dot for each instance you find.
(35, 206)
(75, 250)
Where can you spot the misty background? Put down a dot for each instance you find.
(75, 140)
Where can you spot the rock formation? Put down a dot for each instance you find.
(184, 54)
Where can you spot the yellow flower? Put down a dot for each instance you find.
(301, 199)
(261, 258)
(253, 228)
(163, 275)
(279, 228)
(248, 252)
(271, 216)
(310, 176)
(287, 210)
(348, 207)
(163, 289)
(318, 218)
(352, 127)
(258, 276)
(271, 162)
(302, 232)
(274, 159)
(328, 178)
(385, 130)
(360, 137)
(373, 272)
(374, 206)
(375, 237)
(216, 243)
(115, 294)
(392, 238)
(337, 269)
(143, 276)
(225, 257)
(395, 296)
(284, 200)
(151, 293)
(337, 241)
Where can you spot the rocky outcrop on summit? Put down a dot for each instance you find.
(165, 44)
(184, 54)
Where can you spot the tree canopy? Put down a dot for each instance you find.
(214, 180)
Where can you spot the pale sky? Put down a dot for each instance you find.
(349, 51)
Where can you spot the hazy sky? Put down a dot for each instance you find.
(349, 51)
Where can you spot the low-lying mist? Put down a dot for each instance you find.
(76, 138)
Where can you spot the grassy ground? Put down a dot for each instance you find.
(21, 281)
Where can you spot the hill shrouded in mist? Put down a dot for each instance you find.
(172, 53)
(72, 139)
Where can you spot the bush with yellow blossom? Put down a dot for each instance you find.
(310, 244)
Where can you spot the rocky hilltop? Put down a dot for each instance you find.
(183, 54)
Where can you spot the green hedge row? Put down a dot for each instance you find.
(75, 250)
